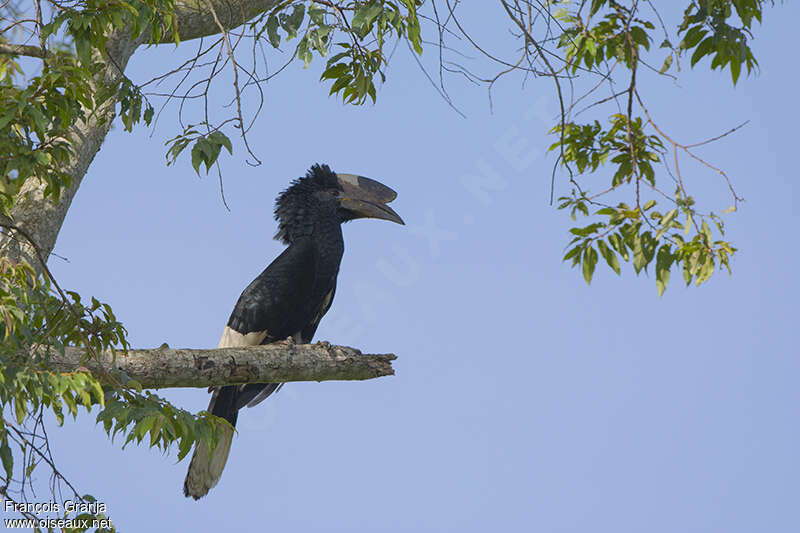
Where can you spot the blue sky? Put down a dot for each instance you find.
(524, 399)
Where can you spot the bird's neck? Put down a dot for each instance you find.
(326, 236)
(330, 242)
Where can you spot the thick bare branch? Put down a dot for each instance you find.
(195, 19)
(271, 363)
(22, 50)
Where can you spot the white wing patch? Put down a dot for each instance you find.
(326, 304)
(231, 337)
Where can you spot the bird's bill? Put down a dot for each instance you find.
(367, 198)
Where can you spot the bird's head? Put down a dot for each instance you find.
(322, 194)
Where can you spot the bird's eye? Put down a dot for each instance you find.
(334, 192)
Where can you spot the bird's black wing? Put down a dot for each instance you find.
(308, 332)
(275, 305)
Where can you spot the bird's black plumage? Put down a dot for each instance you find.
(290, 297)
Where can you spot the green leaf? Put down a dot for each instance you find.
(668, 217)
(8, 459)
(272, 31)
(317, 15)
(97, 390)
(736, 68)
(303, 53)
(335, 71)
(693, 37)
(184, 447)
(210, 150)
(666, 65)
(340, 83)
(664, 259)
(148, 114)
(649, 246)
(7, 117)
(705, 270)
(143, 426)
(221, 139)
(687, 274)
(706, 231)
(639, 259)
(704, 48)
(609, 255)
(19, 408)
(197, 156)
(589, 262)
(619, 245)
(414, 33)
(39, 119)
(572, 252)
(84, 49)
(666, 221)
(72, 405)
(291, 23)
(155, 431)
(366, 14)
(640, 37)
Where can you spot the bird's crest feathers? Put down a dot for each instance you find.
(296, 202)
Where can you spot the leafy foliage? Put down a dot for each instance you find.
(205, 150)
(145, 416)
(610, 38)
(34, 119)
(38, 320)
(634, 145)
(707, 31)
(634, 234)
(358, 60)
(36, 113)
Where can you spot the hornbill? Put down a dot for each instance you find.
(290, 297)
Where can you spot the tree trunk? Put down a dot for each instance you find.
(39, 217)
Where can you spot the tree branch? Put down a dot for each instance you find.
(195, 20)
(270, 363)
(22, 50)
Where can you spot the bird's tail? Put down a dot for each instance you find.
(206, 466)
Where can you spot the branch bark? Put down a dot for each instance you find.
(270, 363)
(22, 50)
(195, 20)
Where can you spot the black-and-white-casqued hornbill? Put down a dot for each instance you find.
(291, 296)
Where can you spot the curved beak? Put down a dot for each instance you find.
(367, 198)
